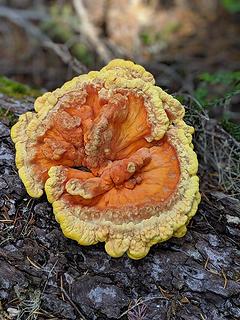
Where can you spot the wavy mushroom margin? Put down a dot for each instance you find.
(133, 238)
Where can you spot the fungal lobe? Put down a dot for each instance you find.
(139, 183)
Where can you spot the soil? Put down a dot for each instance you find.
(43, 275)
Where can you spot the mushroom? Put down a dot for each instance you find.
(115, 158)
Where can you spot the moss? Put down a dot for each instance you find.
(81, 52)
(16, 89)
(169, 29)
(62, 27)
(62, 24)
(8, 117)
(149, 37)
(146, 38)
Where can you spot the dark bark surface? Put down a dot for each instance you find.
(43, 275)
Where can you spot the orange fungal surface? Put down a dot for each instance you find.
(115, 158)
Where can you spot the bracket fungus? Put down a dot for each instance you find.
(115, 158)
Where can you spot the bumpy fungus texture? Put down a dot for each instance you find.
(115, 158)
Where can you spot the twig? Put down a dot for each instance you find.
(61, 286)
(90, 32)
(206, 263)
(73, 304)
(139, 302)
(225, 279)
(33, 263)
(60, 49)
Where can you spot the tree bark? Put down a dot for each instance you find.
(42, 272)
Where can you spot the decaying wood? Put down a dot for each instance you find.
(44, 275)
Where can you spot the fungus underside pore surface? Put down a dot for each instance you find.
(115, 159)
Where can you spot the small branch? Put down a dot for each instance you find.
(60, 49)
(73, 304)
(140, 302)
(90, 32)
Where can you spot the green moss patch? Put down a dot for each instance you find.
(16, 89)
(7, 117)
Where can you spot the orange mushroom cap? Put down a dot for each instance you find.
(115, 158)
